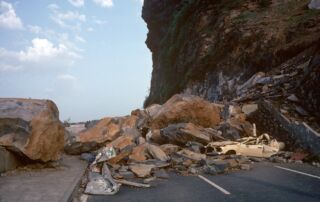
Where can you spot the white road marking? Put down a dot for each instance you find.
(214, 185)
(295, 171)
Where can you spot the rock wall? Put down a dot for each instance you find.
(309, 85)
(210, 48)
(294, 134)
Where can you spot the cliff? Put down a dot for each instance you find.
(211, 48)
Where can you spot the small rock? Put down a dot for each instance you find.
(293, 98)
(299, 156)
(248, 109)
(88, 157)
(187, 162)
(221, 165)
(301, 111)
(126, 174)
(264, 80)
(314, 4)
(139, 153)
(123, 168)
(255, 159)
(193, 171)
(141, 140)
(211, 170)
(233, 163)
(170, 148)
(245, 167)
(148, 180)
(141, 170)
(195, 146)
(161, 174)
(157, 153)
(265, 88)
(192, 155)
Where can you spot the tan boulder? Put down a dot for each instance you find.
(152, 110)
(182, 133)
(141, 170)
(139, 153)
(121, 142)
(157, 153)
(245, 128)
(155, 136)
(170, 148)
(106, 129)
(127, 138)
(129, 122)
(185, 108)
(31, 127)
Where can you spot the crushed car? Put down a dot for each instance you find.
(262, 146)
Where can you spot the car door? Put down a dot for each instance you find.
(251, 150)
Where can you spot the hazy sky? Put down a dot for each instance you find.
(88, 56)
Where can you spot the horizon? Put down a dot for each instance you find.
(87, 56)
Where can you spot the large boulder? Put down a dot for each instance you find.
(107, 129)
(103, 131)
(182, 133)
(31, 128)
(185, 109)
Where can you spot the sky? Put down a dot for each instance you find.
(88, 56)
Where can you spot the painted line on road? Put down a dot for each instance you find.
(214, 185)
(295, 171)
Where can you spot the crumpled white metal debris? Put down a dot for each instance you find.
(100, 179)
(262, 146)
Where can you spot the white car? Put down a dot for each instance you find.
(260, 146)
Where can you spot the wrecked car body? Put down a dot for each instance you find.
(262, 146)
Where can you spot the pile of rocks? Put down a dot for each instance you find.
(289, 87)
(137, 149)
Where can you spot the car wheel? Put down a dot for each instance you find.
(231, 152)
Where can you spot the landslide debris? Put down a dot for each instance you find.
(142, 154)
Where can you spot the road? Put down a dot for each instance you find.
(265, 182)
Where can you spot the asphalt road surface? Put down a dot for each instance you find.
(265, 182)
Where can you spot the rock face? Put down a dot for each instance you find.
(31, 128)
(211, 48)
(186, 108)
(309, 86)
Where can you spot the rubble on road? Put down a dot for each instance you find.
(141, 154)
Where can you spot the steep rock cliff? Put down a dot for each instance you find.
(210, 48)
